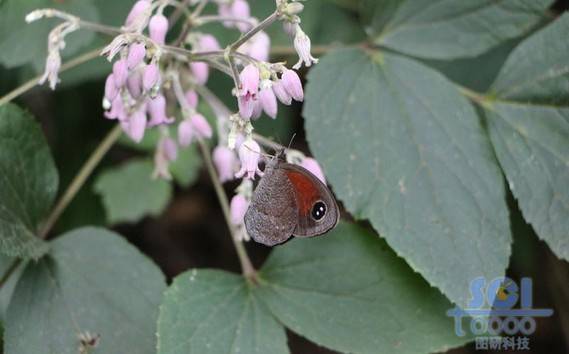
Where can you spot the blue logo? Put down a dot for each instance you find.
(498, 308)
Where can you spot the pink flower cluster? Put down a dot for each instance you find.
(256, 95)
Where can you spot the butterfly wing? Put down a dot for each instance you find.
(316, 207)
(272, 215)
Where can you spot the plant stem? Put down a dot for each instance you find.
(80, 179)
(83, 58)
(261, 26)
(246, 266)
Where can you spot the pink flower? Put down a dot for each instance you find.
(192, 98)
(52, 66)
(238, 207)
(150, 77)
(225, 161)
(208, 43)
(117, 110)
(138, 16)
(302, 47)
(249, 155)
(257, 110)
(158, 26)
(281, 93)
(312, 165)
(201, 126)
(224, 10)
(240, 9)
(136, 54)
(249, 78)
(111, 89)
(259, 46)
(268, 100)
(289, 28)
(120, 72)
(200, 71)
(157, 111)
(185, 132)
(136, 125)
(134, 83)
(166, 151)
(292, 85)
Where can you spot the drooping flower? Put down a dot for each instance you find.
(292, 84)
(249, 155)
(313, 166)
(281, 93)
(258, 47)
(150, 77)
(185, 132)
(120, 72)
(192, 98)
(249, 78)
(207, 43)
(225, 162)
(158, 27)
(267, 99)
(52, 66)
(117, 110)
(201, 126)
(135, 126)
(240, 9)
(200, 71)
(134, 83)
(302, 46)
(157, 111)
(138, 16)
(136, 54)
(111, 91)
(238, 207)
(166, 152)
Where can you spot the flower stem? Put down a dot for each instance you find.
(80, 179)
(246, 266)
(261, 26)
(83, 58)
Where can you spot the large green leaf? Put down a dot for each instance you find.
(446, 29)
(130, 192)
(528, 118)
(22, 43)
(347, 291)
(404, 149)
(92, 281)
(211, 311)
(28, 183)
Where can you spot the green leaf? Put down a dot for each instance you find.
(346, 291)
(349, 292)
(9, 286)
(129, 192)
(92, 281)
(447, 29)
(187, 166)
(28, 183)
(404, 149)
(211, 311)
(528, 119)
(22, 43)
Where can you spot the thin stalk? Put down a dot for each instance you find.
(261, 26)
(246, 265)
(80, 179)
(83, 58)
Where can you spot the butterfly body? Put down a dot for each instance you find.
(289, 201)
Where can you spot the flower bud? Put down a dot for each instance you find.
(150, 77)
(225, 162)
(249, 78)
(249, 155)
(134, 84)
(117, 109)
(111, 90)
(157, 111)
(292, 85)
(137, 10)
(136, 125)
(185, 133)
(120, 72)
(259, 46)
(200, 71)
(281, 93)
(192, 98)
(136, 54)
(169, 148)
(240, 9)
(238, 207)
(158, 26)
(208, 43)
(268, 101)
(201, 126)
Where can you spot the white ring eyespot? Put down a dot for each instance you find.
(318, 210)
